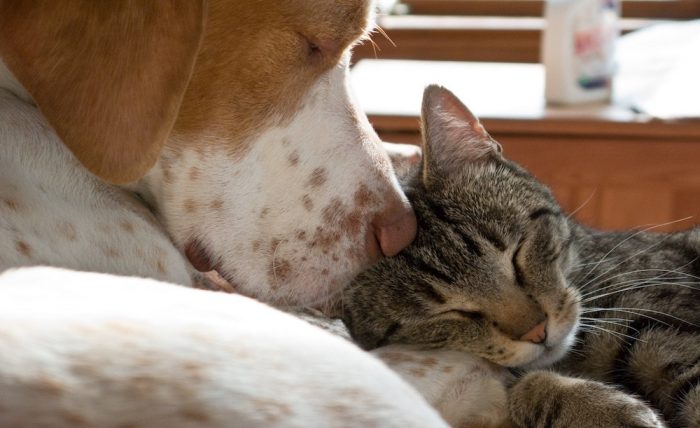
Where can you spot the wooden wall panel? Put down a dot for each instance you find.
(613, 184)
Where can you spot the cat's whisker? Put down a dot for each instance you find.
(643, 285)
(577, 352)
(665, 272)
(638, 253)
(622, 242)
(586, 329)
(634, 255)
(608, 321)
(571, 214)
(580, 266)
(680, 272)
(638, 311)
(615, 333)
(620, 283)
(685, 273)
(636, 282)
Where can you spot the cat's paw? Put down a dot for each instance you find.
(546, 399)
(469, 392)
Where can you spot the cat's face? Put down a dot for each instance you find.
(487, 271)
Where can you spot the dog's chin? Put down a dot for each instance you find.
(199, 256)
(304, 291)
(212, 276)
(305, 281)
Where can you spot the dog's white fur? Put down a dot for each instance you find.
(53, 212)
(108, 351)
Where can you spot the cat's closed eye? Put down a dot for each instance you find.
(517, 270)
(472, 315)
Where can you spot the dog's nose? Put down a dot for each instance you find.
(537, 335)
(395, 229)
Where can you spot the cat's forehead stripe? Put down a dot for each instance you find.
(494, 239)
(543, 212)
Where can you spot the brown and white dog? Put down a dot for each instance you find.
(141, 139)
(233, 121)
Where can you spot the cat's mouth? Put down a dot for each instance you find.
(560, 337)
(549, 356)
(560, 340)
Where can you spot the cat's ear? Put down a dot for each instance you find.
(452, 135)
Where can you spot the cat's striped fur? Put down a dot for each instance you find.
(495, 257)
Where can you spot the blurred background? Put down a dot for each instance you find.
(630, 160)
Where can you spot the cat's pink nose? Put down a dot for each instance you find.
(537, 335)
(396, 229)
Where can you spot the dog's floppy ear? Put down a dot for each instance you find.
(109, 75)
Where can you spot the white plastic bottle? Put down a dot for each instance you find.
(578, 47)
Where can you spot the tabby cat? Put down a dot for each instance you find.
(498, 270)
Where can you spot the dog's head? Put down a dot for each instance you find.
(233, 119)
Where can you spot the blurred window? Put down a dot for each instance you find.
(488, 30)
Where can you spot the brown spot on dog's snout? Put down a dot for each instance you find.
(318, 177)
(110, 251)
(194, 173)
(300, 235)
(24, 249)
(418, 371)
(127, 226)
(429, 362)
(332, 211)
(74, 419)
(190, 206)
(67, 230)
(167, 176)
(50, 385)
(293, 158)
(160, 266)
(216, 204)
(352, 223)
(307, 202)
(280, 271)
(364, 197)
(264, 212)
(194, 414)
(324, 239)
(11, 204)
